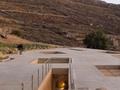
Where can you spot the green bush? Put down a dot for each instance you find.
(96, 40)
(17, 33)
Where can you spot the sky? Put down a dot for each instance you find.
(112, 1)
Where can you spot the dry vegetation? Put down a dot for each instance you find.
(62, 22)
(2, 56)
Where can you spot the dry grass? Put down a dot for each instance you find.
(2, 57)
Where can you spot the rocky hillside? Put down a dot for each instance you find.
(62, 22)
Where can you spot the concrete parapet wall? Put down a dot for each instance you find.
(29, 83)
(47, 82)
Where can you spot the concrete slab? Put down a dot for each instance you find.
(18, 71)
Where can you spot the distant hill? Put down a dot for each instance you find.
(62, 22)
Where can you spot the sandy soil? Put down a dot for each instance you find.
(117, 56)
(11, 39)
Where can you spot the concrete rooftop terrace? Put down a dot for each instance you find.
(19, 70)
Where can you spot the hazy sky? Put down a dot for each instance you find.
(113, 1)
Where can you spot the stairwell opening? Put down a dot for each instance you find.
(50, 60)
(109, 70)
(60, 79)
(56, 79)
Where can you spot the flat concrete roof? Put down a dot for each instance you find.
(85, 74)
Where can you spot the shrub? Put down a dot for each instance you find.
(96, 40)
(35, 46)
(12, 48)
(17, 33)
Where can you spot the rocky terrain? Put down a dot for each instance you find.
(61, 22)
